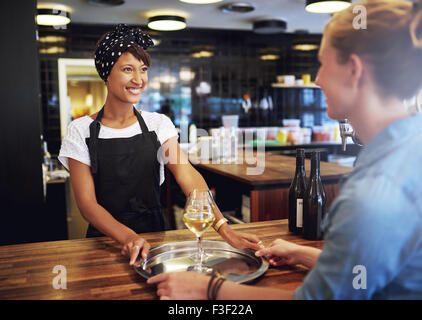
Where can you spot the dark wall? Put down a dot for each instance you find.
(21, 204)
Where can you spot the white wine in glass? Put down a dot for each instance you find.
(198, 222)
(198, 217)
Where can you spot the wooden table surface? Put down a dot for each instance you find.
(95, 269)
(278, 170)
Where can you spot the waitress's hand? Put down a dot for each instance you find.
(239, 240)
(132, 248)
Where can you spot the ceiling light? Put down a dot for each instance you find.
(52, 17)
(269, 57)
(51, 39)
(305, 47)
(167, 23)
(200, 1)
(240, 7)
(326, 6)
(185, 74)
(269, 26)
(202, 54)
(52, 50)
(167, 79)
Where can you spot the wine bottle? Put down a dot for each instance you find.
(296, 194)
(314, 202)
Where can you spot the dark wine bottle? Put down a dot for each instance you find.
(314, 203)
(296, 194)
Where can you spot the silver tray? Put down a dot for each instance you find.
(238, 265)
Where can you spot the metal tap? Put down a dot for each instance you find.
(346, 130)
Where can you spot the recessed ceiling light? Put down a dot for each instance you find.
(305, 47)
(52, 17)
(51, 39)
(326, 6)
(52, 50)
(269, 57)
(166, 23)
(202, 54)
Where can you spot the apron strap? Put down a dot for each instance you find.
(141, 121)
(94, 131)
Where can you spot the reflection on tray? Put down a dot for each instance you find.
(173, 265)
(235, 265)
(231, 266)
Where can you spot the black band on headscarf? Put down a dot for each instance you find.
(115, 43)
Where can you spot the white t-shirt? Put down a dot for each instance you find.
(74, 145)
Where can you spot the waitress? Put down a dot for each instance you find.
(113, 155)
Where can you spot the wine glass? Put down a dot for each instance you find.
(199, 216)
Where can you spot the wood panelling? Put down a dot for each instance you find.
(274, 203)
(268, 191)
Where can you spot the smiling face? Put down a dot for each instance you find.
(127, 79)
(333, 79)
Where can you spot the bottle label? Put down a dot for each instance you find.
(299, 213)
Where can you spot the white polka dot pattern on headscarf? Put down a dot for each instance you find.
(115, 43)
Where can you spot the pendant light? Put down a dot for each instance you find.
(326, 6)
(269, 26)
(52, 17)
(166, 23)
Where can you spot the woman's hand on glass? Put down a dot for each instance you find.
(136, 248)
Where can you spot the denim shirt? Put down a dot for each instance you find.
(373, 231)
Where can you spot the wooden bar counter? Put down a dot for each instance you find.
(95, 268)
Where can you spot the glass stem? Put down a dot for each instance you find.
(200, 251)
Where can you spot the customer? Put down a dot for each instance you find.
(113, 155)
(374, 228)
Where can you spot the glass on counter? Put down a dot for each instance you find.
(221, 146)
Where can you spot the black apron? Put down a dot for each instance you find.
(126, 175)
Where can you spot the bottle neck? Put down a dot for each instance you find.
(314, 167)
(300, 165)
(300, 162)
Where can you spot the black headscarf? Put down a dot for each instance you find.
(115, 43)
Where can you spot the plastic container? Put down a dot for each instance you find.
(205, 144)
(231, 121)
(272, 133)
(319, 134)
(291, 122)
(286, 79)
(294, 135)
(282, 135)
(306, 134)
